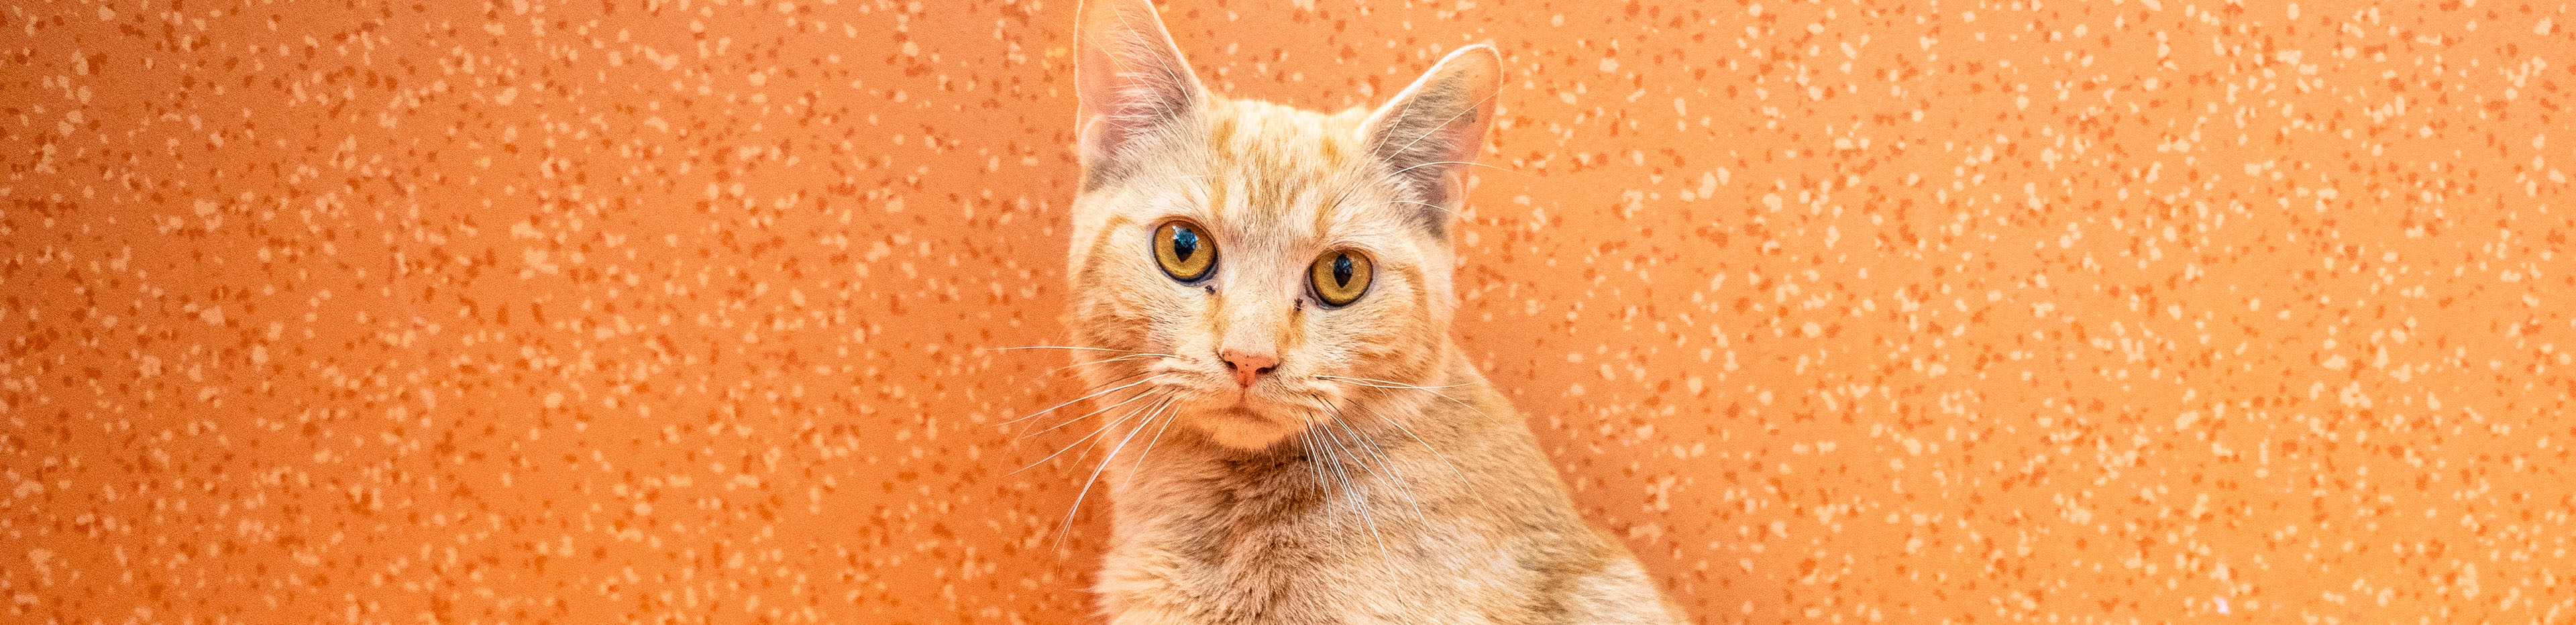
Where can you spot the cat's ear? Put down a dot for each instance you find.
(1429, 134)
(1131, 80)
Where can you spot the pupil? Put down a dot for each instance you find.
(1342, 270)
(1184, 243)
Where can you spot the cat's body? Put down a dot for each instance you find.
(1263, 296)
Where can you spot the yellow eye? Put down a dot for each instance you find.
(1340, 277)
(1185, 253)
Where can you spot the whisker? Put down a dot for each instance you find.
(1068, 347)
(1103, 361)
(1372, 449)
(1350, 490)
(1408, 432)
(1149, 446)
(1088, 415)
(1398, 384)
(1435, 451)
(1103, 428)
(1147, 412)
(1375, 383)
(1095, 478)
(1315, 469)
(1078, 399)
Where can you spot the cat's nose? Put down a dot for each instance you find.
(1248, 367)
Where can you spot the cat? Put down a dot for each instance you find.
(1261, 297)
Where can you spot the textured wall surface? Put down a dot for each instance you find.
(591, 312)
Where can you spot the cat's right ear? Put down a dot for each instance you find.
(1132, 83)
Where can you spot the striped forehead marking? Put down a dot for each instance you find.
(1272, 166)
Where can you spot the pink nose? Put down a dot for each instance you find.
(1248, 367)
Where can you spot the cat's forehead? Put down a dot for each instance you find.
(1255, 128)
(1290, 172)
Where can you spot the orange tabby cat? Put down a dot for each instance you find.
(1277, 284)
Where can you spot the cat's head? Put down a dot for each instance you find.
(1260, 269)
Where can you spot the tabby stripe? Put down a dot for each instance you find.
(1100, 241)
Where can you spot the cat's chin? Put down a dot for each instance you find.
(1244, 428)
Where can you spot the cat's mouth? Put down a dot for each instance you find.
(1242, 412)
(1246, 423)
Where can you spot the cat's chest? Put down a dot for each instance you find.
(1276, 573)
(1296, 551)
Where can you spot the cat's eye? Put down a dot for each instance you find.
(1340, 277)
(1184, 251)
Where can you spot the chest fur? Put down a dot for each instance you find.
(1285, 543)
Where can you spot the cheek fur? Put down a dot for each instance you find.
(1391, 334)
(1113, 306)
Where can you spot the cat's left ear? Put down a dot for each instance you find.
(1429, 134)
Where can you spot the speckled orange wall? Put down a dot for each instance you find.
(1956, 312)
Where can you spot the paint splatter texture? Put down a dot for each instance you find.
(2018, 312)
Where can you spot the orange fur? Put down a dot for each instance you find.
(1366, 474)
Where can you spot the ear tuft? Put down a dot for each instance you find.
(1132, 82)
(1428, 135)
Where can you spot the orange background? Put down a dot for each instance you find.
(586, 312)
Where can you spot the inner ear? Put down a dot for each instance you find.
(1132, 83)
(1428, 135)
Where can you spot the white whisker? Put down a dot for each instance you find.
(1385, 465)
(1350, 488)
(1388, 384)
(1426, 445)
(1408, 432)
(1095, 477)
(1104, 361)
(1392, 382)
(1095, 412)
(1103, 428)
(1069, 347)
(1315, 468)
(1078, 399)
(1141, 457)
(1147, 413)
